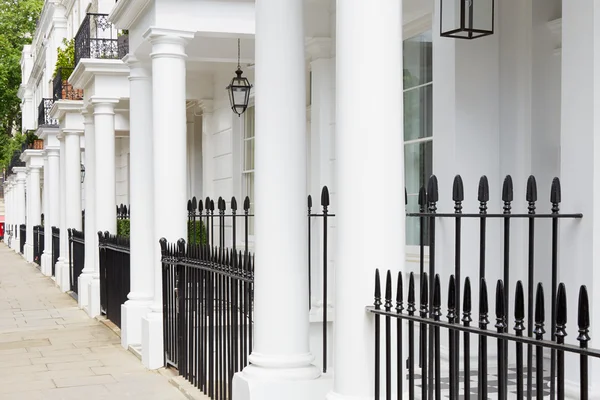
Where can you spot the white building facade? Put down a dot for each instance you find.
(144, 120)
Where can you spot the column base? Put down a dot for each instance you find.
(83, 286)
(153, 356)
(46, 264)
(93, 302)
(132, 313)
(28, 252)
(255, 384)
(62, 275)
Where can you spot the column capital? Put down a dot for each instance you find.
(52, 151)
(72, 132)
(318, 47)
(138, 70)
(168, 43)
(104, 106)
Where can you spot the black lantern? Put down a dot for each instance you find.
(466, 19)
(239, 90)
(82, 173)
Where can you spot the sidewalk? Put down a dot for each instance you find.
(51, 350)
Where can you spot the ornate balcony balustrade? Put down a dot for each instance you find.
(97, 38)
(44, 118)
(63, 90)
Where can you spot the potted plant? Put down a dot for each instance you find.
(65, 62)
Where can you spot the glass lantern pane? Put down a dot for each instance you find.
(239, 96)
(451, 15)
(483, 15)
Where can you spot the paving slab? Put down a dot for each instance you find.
(51, 350)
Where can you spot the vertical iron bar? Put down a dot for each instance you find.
(309, 253)
(377, 304)
(555, 198)
(561, 333)
(433, 198)
(583, 321)
(452, 349)
(388, 337)
(519, 328)
(507, 198)
(539, 335)
(411, 337)
(422, 226)
(437, 313)
(466, 319)
(483, 322)
(458, 197)
(501, 328)
(531, 197)
(423, 326)
(325, 204)
(399, 309)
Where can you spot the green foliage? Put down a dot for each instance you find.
(17, 26)
(196, 232)
(8, 146)
(123, 227)
(65, 56)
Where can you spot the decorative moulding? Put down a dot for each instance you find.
(126, 12)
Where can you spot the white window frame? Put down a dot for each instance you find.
(244, 172)
(411, 30)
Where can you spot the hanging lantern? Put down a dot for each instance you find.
(82, 170)
(466, 19)
(239, 90)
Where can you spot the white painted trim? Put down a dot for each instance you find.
(417, 26)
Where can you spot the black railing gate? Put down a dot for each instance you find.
(38, 243)
(114, 274)
(76, 257)
(55, 248)
(22, 236)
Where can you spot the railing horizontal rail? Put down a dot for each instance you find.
(489, 333)
(502, 216)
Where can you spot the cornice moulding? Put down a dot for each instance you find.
(88, 68)
(126, 12)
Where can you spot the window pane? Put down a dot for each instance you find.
(418, 165)
(249, 186)
(418, 105)
(417, 53)
(249, 128)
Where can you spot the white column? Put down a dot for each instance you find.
(90, 267)
(33, 198)
(580, 173)
(47, 254)
(369, 99)
(281, 349)
(72, 189)
(105, 184)
(62, 265)
(53, 214)
(20, 202)
(141, 180)
(169, 141)
(29, 228)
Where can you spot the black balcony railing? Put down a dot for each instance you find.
(63, 90)
(44, 118)
(114, 274)
(97, 38)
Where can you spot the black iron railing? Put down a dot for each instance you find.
(96, 38)
(431, 321)
(428, 356)
(44, 118)
(76, 257)
(38, 244)
(123, 212)
(202, 224)
(63, 90)
(114, 274)
(208, 297)
(55, 248)
(22, 236)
